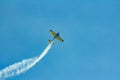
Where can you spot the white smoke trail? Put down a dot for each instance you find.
(22, 66)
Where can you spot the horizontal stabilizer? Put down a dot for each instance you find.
(51, 41)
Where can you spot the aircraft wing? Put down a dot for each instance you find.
(52, 32)
(60, 39)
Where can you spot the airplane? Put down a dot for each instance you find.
(55, 36)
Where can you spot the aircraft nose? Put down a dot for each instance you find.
(59, 33)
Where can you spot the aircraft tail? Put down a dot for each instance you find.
(51, 41)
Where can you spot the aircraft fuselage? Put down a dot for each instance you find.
(57, 35)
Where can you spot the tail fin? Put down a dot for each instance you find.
(51, 41)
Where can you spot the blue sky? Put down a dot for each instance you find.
(90, 29)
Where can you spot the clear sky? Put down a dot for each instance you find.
(90, 29)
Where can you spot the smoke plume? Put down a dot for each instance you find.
(24, 65)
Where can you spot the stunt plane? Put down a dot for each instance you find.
(55, 36)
